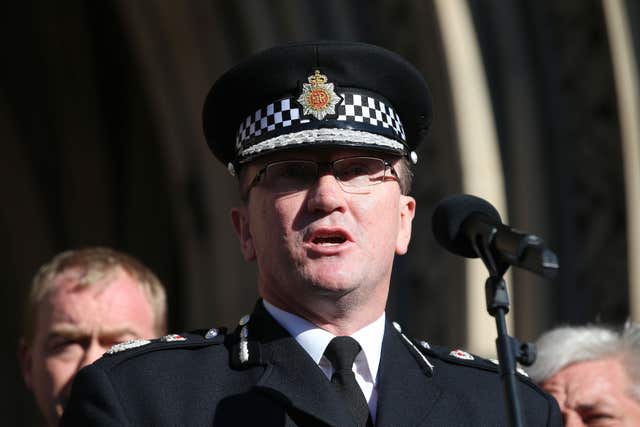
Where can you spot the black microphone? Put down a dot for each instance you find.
(461, 222)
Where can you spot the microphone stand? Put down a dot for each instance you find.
(509, 348)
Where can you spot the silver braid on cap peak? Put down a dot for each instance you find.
(319, 136)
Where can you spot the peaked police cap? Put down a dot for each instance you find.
(325, 93)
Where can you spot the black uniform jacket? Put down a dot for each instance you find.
(267, 379)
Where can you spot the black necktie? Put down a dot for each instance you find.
(341, 352)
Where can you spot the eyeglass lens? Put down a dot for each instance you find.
(296, 175)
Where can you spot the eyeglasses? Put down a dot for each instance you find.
(353, 174)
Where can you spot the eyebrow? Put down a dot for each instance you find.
(75, 332)
(600, 404)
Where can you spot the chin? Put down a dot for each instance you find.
(332, 285)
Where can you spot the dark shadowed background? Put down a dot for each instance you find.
(100, 125)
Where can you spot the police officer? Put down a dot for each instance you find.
(321, 137)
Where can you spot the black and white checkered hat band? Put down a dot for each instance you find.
(364, 113)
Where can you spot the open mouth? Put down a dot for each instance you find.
(326, 237)
(329, 240)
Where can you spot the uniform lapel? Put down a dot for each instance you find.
(406, 395)
(292, 376)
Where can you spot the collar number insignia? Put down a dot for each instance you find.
(172, 338)
(318, 97)
(460, 354)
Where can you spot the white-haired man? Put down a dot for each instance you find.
(593, 372)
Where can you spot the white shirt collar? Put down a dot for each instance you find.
(315, 340)
(370, 339)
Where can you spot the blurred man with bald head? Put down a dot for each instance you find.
(80, 304)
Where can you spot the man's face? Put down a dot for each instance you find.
(325, 241)
(74, 327)
(594, 393)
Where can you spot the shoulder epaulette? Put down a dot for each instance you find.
(197, 338)
(461, 357)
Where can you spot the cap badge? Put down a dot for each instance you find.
(318, 97)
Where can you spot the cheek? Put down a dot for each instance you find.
(61, 370)
(51, 374)
(381, 221)
(277, 224)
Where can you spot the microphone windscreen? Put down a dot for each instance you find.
(449, 216)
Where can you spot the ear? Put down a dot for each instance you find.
(407, 212)
(26, 363)
(240, 220)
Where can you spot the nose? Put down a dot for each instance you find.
(326, 195)
(572, 419)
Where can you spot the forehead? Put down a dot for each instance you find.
(67, 294)
(69, 280)
(591, 378)
(113, 301)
